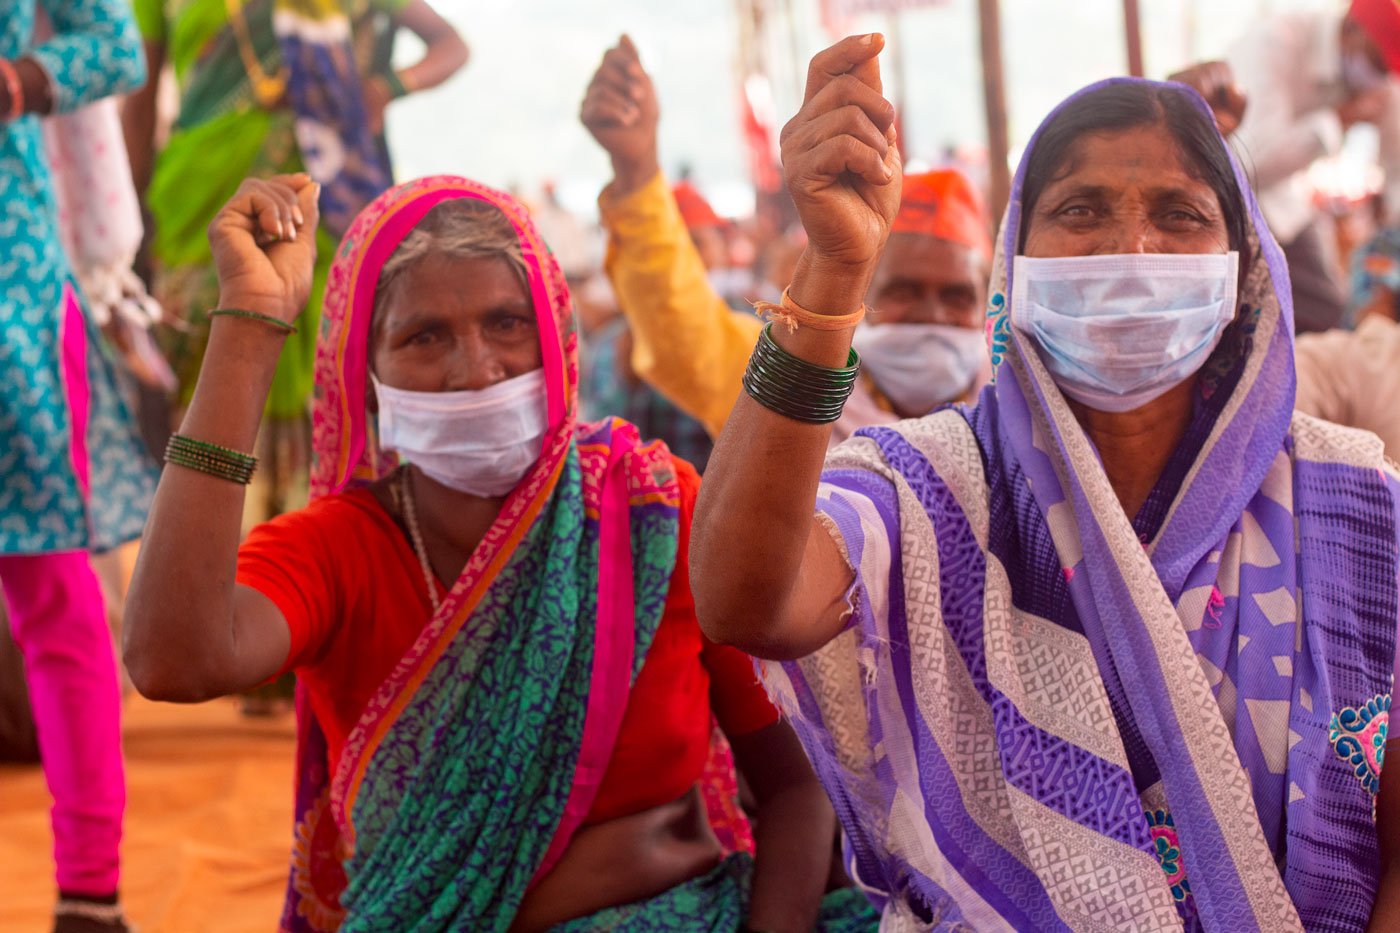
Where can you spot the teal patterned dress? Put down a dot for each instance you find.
(95, 52)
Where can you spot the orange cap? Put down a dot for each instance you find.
(695, 210)
(943, 203)
(1381, 20)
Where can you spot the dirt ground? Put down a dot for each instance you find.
(208, 824)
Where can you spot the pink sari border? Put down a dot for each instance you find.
(614, 645)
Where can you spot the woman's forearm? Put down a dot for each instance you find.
(446, 52)
(1385, 914)
(793, 837)
(35, 91)
(765, 577)
(139, 122)
(179, 640)
(441, 62)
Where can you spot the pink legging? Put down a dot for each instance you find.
(59, 623)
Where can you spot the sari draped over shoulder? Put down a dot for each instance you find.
(1043, 718)
(480, 755)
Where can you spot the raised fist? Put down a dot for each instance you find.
(264, 244)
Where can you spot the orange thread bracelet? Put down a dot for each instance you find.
(792, 315)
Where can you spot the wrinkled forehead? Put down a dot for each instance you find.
(930, 260)
(382, 228)
(1144, 156)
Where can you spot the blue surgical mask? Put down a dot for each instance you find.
(1360, 74)
(920, 366)
(1116, 332)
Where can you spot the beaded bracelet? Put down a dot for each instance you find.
(221, 462)
(795, 388)
(14, 90)
(282, 326)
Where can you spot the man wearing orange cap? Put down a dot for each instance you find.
(705, 226)
(922, 344)
(1307, 77)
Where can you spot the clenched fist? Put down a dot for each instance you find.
(621, 111)
(264, 244)
(841, 159)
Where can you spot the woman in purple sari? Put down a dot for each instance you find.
(1112, 648)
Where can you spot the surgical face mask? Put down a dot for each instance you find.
(920, 366)
(477, 442)
(1360, 74)
(1116, 332)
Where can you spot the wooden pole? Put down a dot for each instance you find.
(1132, 25)
(994, 101)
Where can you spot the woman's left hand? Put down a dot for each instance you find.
(377, 97)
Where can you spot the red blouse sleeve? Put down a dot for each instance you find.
(288, 560)
(738, 700)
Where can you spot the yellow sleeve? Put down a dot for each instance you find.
(686, 341)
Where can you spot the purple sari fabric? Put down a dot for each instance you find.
(1045, 715)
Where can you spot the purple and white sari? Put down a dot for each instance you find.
(1045, 715)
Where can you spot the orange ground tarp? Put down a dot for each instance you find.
(208, 824)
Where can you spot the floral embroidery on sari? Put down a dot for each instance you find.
(1168, 848)
(1358, 737)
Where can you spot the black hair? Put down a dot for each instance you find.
(1127, 105)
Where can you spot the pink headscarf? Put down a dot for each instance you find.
(344, 447)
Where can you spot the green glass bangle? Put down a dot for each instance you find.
(281, 326)
(220, 471)
(209, 458)
(213, 449)
(795, 388)
(394, 84)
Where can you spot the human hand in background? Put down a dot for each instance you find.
(1367, 106)
(621, 110)
(1215, 81)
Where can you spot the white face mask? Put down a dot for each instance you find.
(477, 442)
(1117, 332)
(920, 366)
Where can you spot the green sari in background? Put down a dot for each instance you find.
(233, 121)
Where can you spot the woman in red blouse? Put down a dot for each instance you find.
(506, 700)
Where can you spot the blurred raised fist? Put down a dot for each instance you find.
(621, 111)
(1215, 81)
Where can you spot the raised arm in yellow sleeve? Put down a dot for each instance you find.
(685, 340)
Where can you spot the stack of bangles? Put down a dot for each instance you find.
(210, 459)
(791, 386)
(14, 91)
